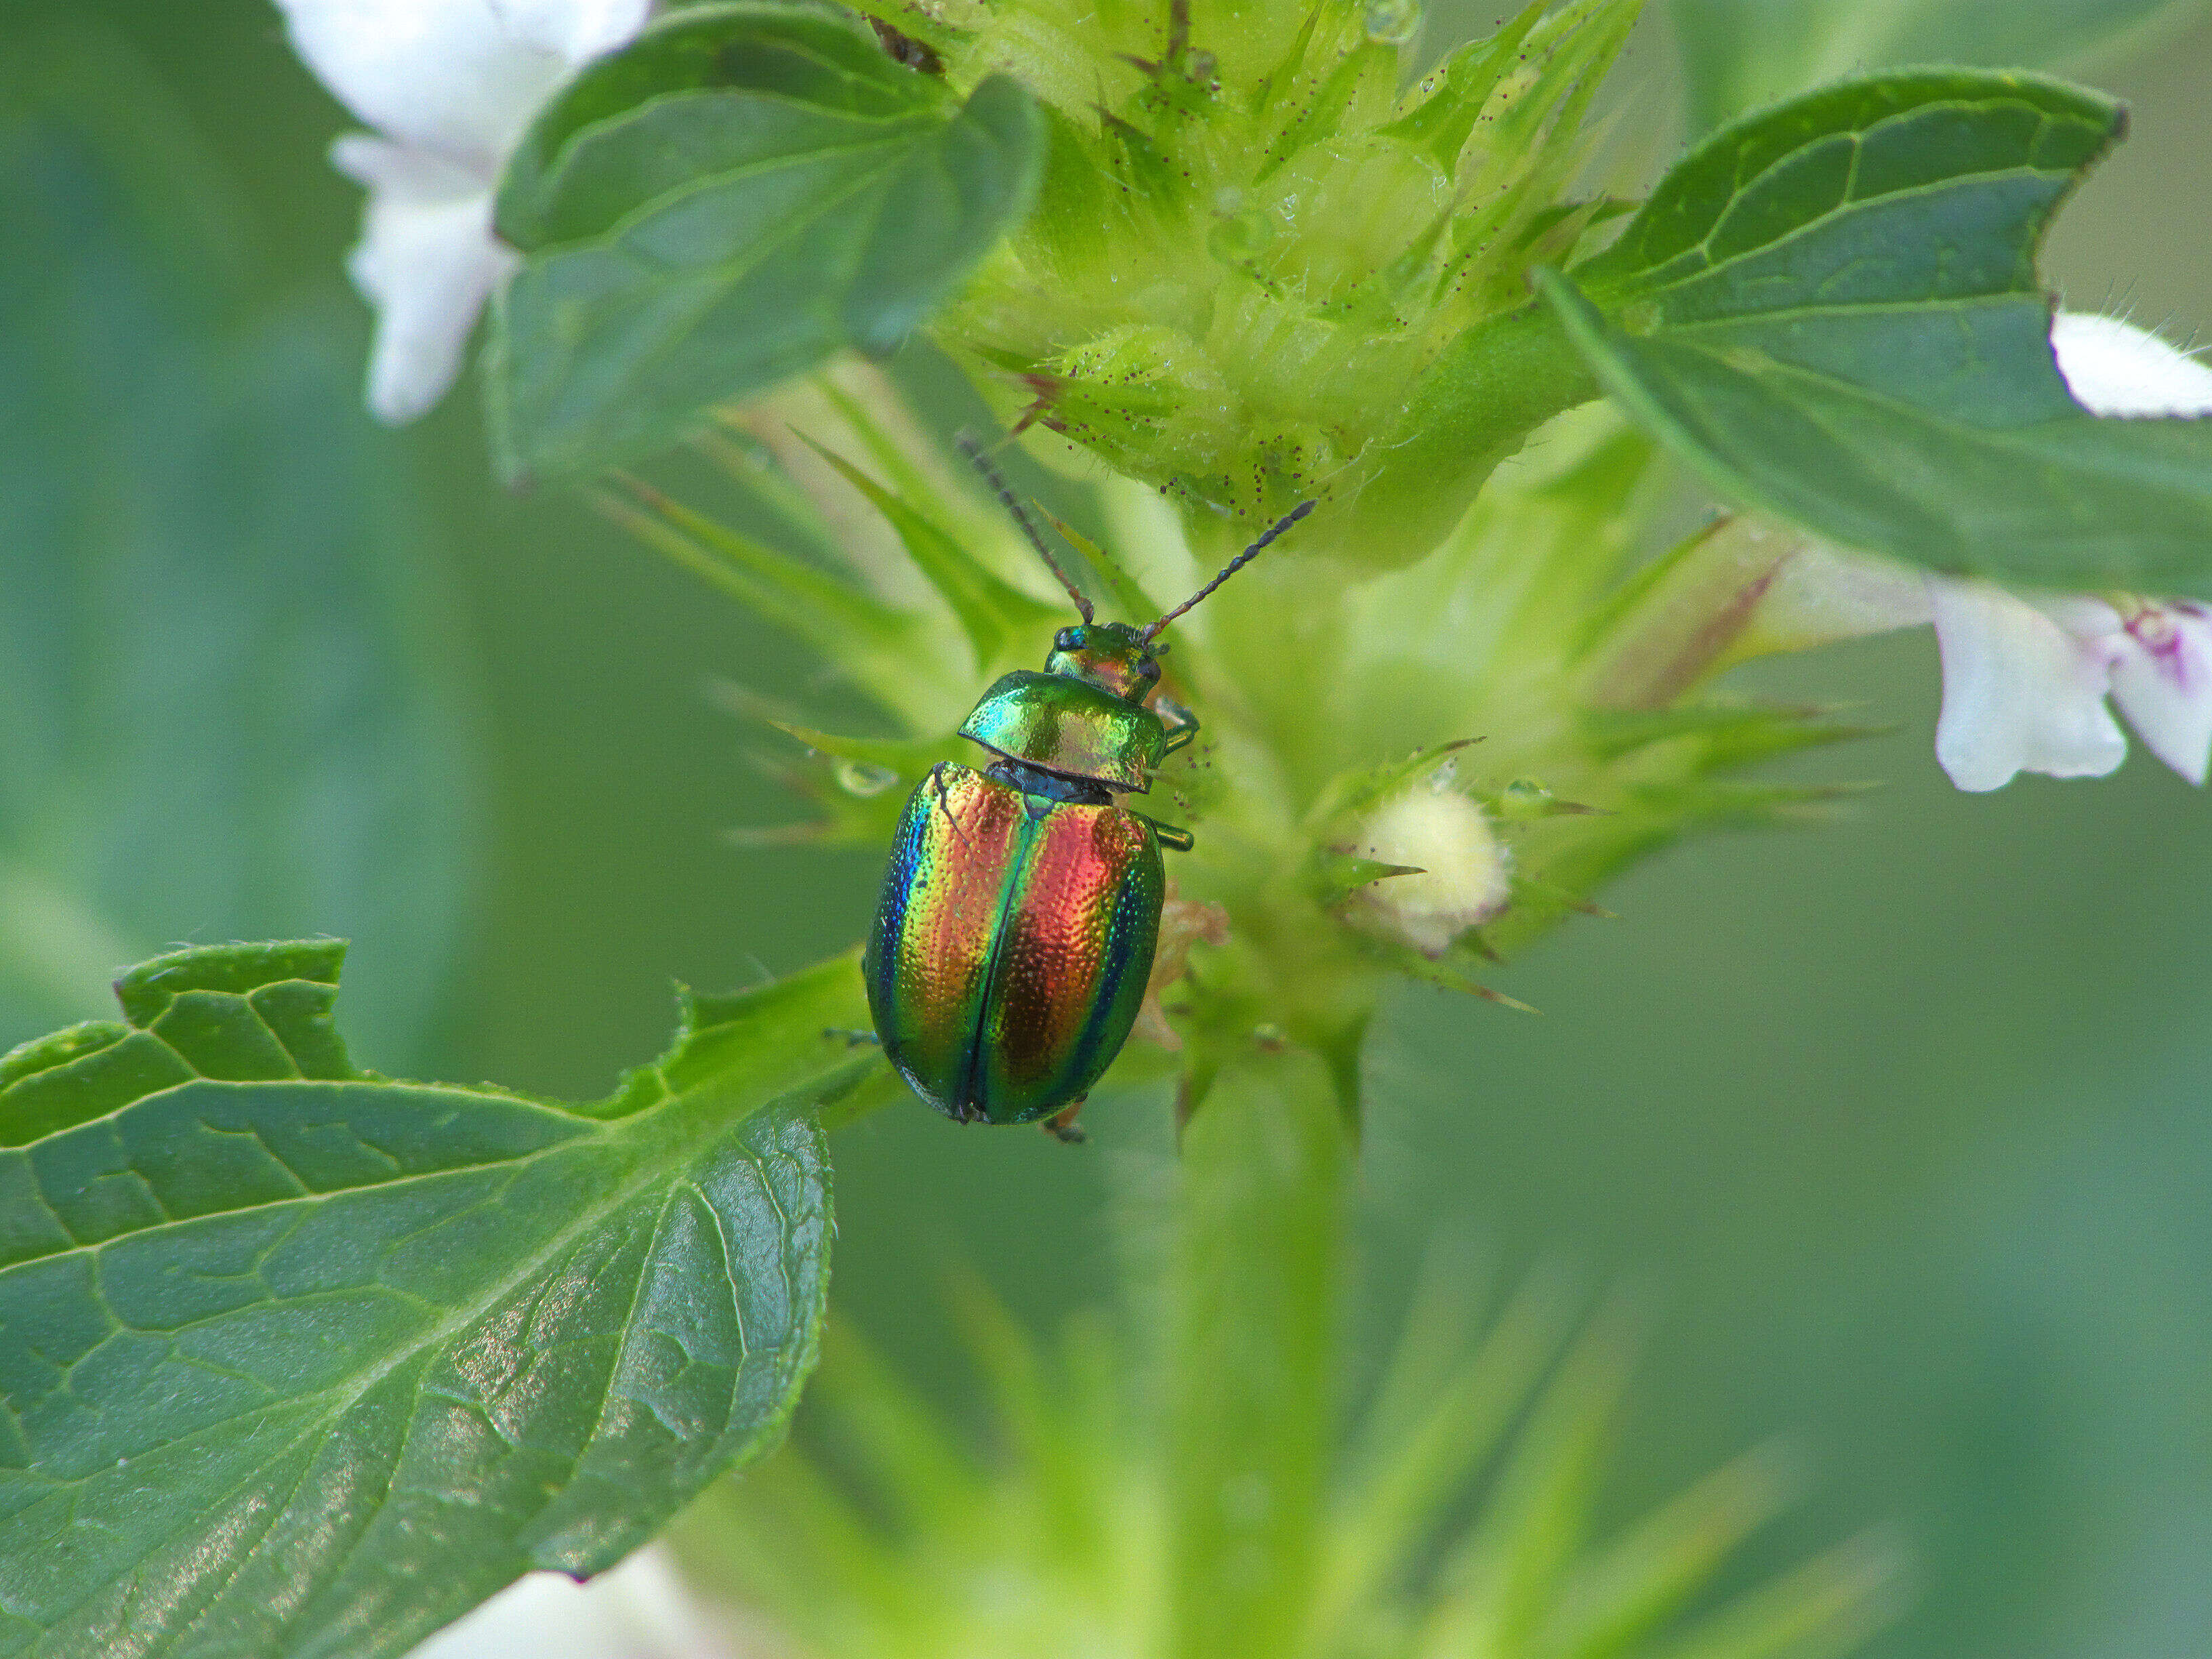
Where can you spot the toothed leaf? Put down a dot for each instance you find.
(302, 1361)
(1451, 96)
(1829, 310)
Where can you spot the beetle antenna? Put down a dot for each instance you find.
(1232, 568)
(1012, 503)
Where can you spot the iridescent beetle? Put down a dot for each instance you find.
(1022, 903)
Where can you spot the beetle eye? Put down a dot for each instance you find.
(1068, 638)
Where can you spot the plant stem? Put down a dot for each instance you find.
(1251, 1359)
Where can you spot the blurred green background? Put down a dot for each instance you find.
(1903, 1126)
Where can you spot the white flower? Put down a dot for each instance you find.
(2026, 676)
(2025, 684)
(1466, 879)
(451, 86)
(639, 1610)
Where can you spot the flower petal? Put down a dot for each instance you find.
(2114, 368)
(456, 77)
(2020, 694)
(2163, 684)
(578, 30)
(427, 259)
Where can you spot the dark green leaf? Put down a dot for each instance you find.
(1739, 54)
(1830, 309)
(300, 1361)
(744, 192)
(650, 120)
(226, 697)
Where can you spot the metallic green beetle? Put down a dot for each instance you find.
(1021, 906)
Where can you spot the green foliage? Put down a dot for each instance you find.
(1261, 251)
(1581, 683)
(227, 706)
(1829, 310)
(301, 1360)
(746, 190)
(1738, 54)
(883, 1532)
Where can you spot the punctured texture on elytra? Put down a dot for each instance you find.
(1011, 944)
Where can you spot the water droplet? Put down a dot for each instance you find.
(863, 779)
(1200, 65)
(1393, 22)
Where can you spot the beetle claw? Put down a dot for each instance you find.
(1061, 1125)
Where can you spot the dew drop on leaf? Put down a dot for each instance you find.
(863, 779)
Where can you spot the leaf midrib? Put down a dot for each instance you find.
(1992, 301)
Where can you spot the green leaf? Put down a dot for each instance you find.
(745, 190)
(1739, 54)
(647, 121)
(227, 696)
(302, 1361)
(1829, 310)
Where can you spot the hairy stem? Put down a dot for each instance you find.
(1260, 1239)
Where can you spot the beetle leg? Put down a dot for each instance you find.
(1061, 1127)
(1174, 839)
(1182, 726)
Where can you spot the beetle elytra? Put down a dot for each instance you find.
(1021, 906)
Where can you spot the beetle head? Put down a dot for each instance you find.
(1112, 656)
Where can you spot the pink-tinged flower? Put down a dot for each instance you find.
(450, 86)
(2026, 684)
(2029, 679)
